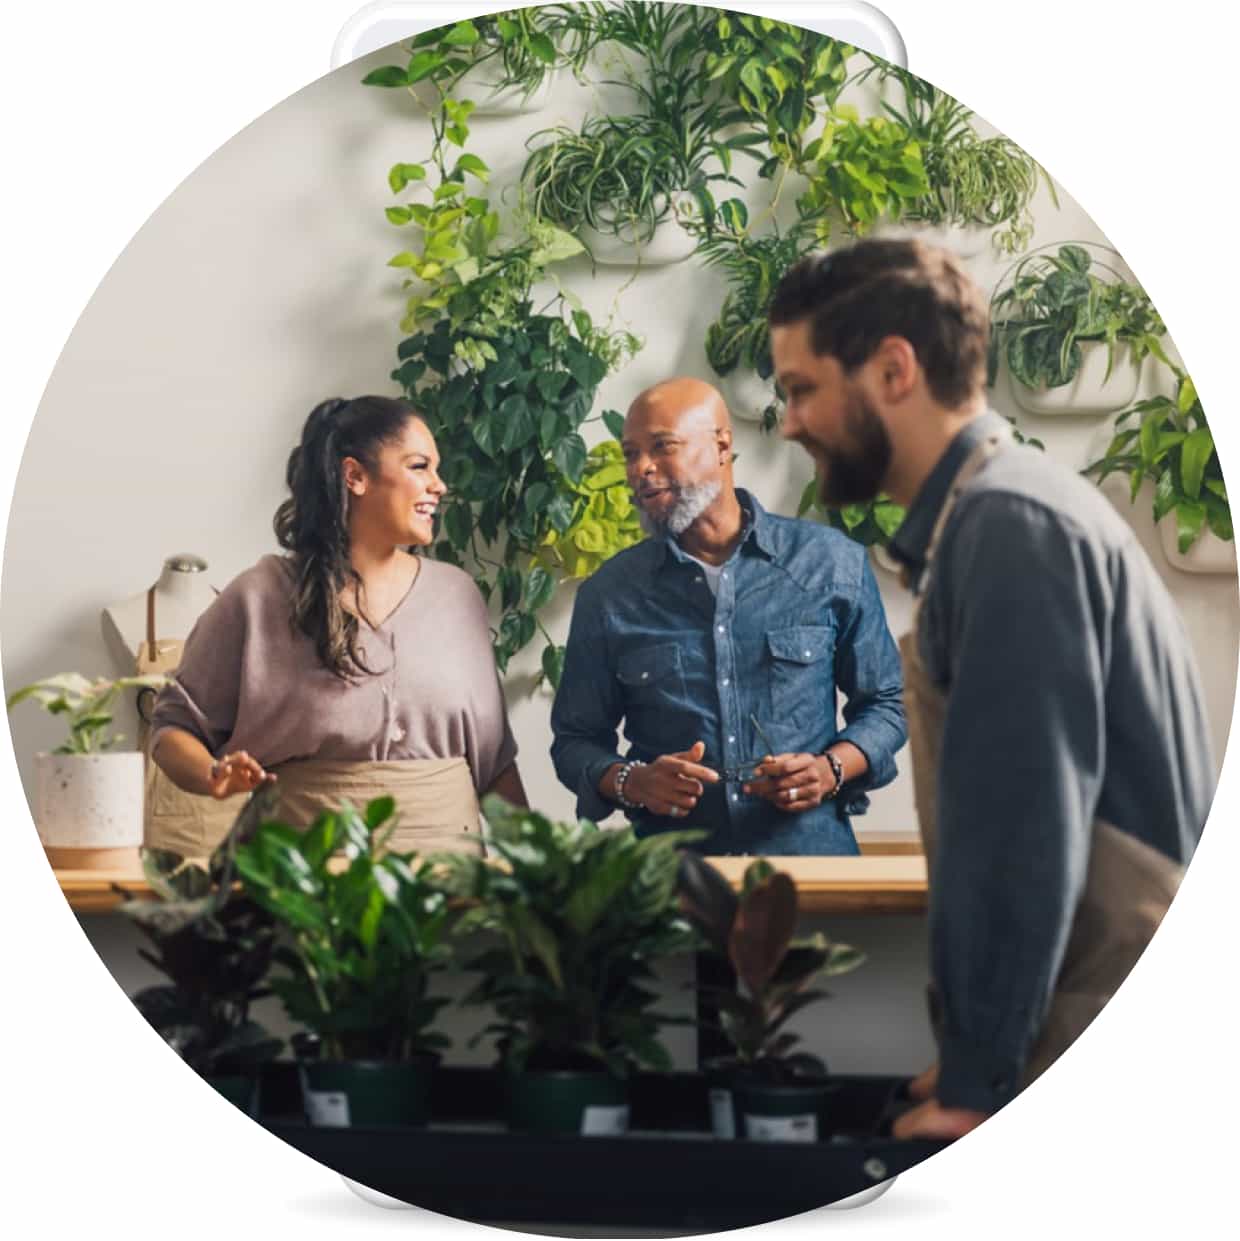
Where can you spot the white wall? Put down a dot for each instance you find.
(260, 287)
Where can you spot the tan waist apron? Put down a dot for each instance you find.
(186, 823)
(1128, 885)
(436, 804)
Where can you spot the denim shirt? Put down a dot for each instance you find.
(797, 617)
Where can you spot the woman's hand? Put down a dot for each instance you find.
(233, 773)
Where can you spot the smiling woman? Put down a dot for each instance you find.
(336, 670)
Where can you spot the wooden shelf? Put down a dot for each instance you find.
(888, 878)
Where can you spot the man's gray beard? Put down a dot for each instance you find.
(692, 500)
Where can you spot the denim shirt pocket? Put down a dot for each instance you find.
(653, 687)
(801, 674)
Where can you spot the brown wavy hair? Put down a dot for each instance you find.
(855, 296)
(312, 524)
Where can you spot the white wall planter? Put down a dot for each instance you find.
(1208, 554)
(670, 243)
(884, 559)
(1090, 392)
(481, 85)
(968, 241)
(747, 394)
(88, 808)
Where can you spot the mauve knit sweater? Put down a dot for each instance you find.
(248, 681)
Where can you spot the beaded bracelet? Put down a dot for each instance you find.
(621, 777)
(837, 770)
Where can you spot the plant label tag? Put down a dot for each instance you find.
(327, 1107)
(722, 1117)
(803, 1128)
(604, 1122)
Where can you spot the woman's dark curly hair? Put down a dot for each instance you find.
(312, 523)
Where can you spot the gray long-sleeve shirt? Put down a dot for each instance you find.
(1073, 694)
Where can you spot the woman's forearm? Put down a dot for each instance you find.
(508, 786)
(184, 760)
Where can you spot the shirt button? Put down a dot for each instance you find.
(721, 629)
(725, 680)
(398, 734)
(736, 797)
(808, 655)
(645, 676)
(731, 741)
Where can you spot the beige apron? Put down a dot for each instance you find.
(1128, 887)
(186, 823)
(436, 804)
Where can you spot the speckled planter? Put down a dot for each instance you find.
(1208, 553)
(88, 808)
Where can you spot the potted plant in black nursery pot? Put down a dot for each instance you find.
(364, 930)
(580, 914)
(215, 946)
(766, 1088)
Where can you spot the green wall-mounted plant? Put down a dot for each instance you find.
(1168, 441)
(1052, 303)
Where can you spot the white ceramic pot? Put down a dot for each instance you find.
(670, 243)
(88, 807)
(1208, 554)
(1090, 392)
(969, 241)
(480, 85)
(884, 559)
(747, 394)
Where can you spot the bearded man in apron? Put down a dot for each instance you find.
(1061, 756)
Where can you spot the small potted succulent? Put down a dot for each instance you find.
(579, 914)
(363, 931)
(214, 945)
(88, 804)
(767, 1088)
(1071, 331)
(1167, 441)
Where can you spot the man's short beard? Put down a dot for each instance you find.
(855, 475)
(692, 500)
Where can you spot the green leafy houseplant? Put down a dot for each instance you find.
(214, 945)
(1054, 303)
(863, 171)
(776, 972)
(988, 182)
(505, 389)
(579, 913)
(740, 337)
(363, 932)
(1168, 441)
(87, 704)
(516, 48)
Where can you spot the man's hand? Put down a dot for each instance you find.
(932, 1120)
(237, 772)
(923, 1086)
(793, 782)
(672, 783)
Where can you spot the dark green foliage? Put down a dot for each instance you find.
(363, 931)
(755, 933)
(578, 914)
(215, 946)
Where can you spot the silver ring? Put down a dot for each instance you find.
(677, 812)
(793, 794)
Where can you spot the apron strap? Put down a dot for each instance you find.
(150, 623)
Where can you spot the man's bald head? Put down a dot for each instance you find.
(678, 451)
(682, 401)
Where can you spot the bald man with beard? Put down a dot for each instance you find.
(720, 643)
